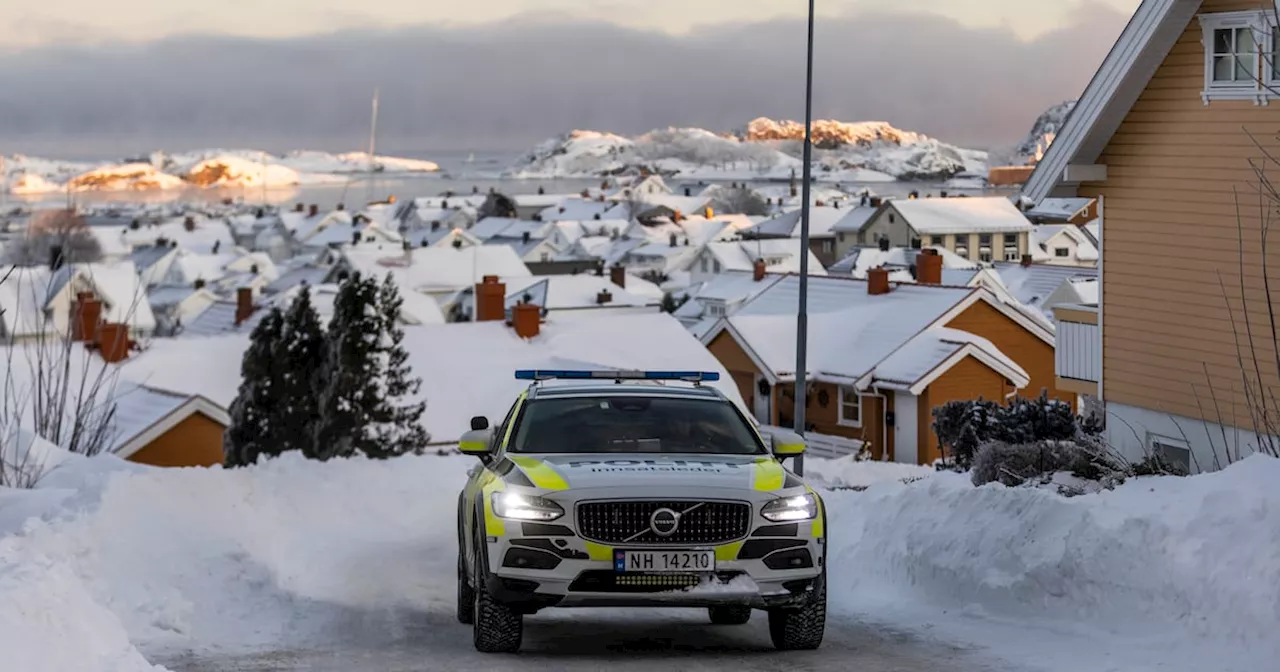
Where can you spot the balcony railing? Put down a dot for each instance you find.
(1078, 356)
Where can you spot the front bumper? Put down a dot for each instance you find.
(763, 571)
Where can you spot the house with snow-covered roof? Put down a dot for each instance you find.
(1063, 245)
(981, 229)
(1035, 285)
(436, 271)
(583, 295)
(1063, 211)
(706, 303)
(780, 255)
(787, 225)
(883, 355)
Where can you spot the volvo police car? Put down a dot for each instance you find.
(613, 488)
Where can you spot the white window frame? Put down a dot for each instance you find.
(843, 421)
(1263, 24)
(1062, 253)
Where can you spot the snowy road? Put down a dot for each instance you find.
(590, 640)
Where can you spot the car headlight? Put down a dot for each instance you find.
(791, 509)
(515, 506)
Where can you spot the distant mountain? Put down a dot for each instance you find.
(763, 149)
(1043, 132)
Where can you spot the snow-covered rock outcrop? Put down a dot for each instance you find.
(765, 149)
(1046, 128)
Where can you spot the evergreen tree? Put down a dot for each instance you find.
(254, 410)
(397, 417)
(353, 364)
(303, 370)
(669, 304)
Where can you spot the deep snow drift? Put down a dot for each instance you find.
(289, 552)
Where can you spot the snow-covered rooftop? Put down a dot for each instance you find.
(781, 255)
(438, 268)
(485, 354)
(941, 216)
(864, 258)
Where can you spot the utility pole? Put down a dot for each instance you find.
(373, 146)
(802, 318)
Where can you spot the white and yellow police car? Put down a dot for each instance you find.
(615, 488)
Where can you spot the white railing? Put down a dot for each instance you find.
(1078, 353)
(822, 445)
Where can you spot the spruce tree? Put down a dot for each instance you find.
(253, 413)
(669, 304)
(352, 384)
(303, 370)
(397, 418)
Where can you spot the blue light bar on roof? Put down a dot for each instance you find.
(563, 374)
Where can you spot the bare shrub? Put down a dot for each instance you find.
(1015, 464)
(54, 237)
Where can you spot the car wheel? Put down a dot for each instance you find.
(466, 594)
(729, 615)
(801, 629)
(496, 628)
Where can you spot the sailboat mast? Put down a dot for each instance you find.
(373, 144)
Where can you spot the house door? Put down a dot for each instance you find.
(763, 401)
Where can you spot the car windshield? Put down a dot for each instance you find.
(634, 424)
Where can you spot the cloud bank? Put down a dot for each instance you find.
(503, 86)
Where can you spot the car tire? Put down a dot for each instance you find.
(466, 594)
(729, 615)
(496, 628)
(801, 629)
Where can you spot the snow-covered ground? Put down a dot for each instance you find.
(765, 150)
(122, 562)
(162, 171)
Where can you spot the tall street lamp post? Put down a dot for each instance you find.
(802, 316)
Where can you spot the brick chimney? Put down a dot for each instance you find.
(1026, 261)
(526, 318)
(113, 342)
(605, 296)
(244, 305)
(491, 299)
(759, 268)
(878, 281)
(677, 216)
(85, 317)
(297, 207)
(313, 211)
(929, 267)
(618, 275)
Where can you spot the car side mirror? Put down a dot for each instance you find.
(786, 444)
(479, 423)
(476, 442)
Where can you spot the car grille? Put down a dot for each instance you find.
(701, 522)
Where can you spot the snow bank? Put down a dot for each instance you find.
(845, 472)
(1184, 565)
(199, 558)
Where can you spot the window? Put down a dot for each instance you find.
(1012, 255)
(850, 407)
(634, 424)
(892, 219)
(1010, 240)
(962, 249)
(706, 265)
(715, 265)
(840, 237)
(985, 256)
(916, 243)
(984, 240)
(1061, 252)
(715, 309)
(1174, 452)
(1239, 51)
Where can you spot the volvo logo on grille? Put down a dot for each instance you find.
(664, 522)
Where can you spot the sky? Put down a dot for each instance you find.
(502, 74)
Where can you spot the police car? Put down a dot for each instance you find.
(615, 488)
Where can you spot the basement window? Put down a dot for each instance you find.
(1239, 56)
(1173, 452)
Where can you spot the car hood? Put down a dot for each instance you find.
(561, 471)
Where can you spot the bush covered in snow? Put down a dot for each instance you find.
(1015, 464)
(965, 426)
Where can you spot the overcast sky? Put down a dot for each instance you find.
(495, 74)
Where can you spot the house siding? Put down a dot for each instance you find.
(1035, 356)
(826, 420)
(969, 379)
(738, 363)
(1173, 303)
(194, 442)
